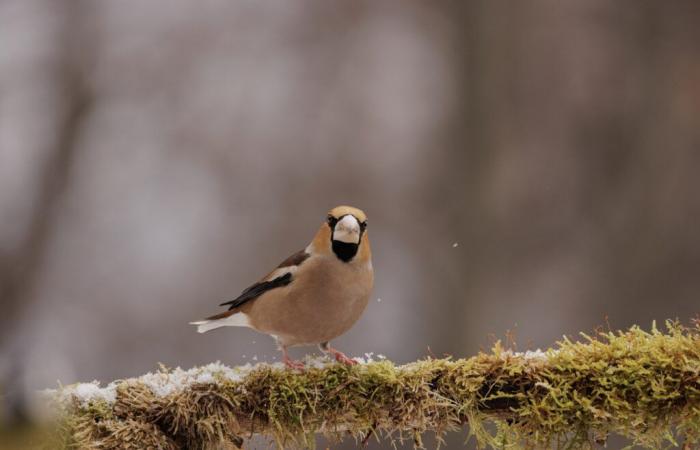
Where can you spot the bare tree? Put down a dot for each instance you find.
(18, 270)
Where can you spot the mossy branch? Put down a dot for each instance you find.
(642, 385)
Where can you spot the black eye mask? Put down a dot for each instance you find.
(332, 221)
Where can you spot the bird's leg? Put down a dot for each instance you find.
(337, 354)
(290, 362)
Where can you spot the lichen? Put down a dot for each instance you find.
(642, 385)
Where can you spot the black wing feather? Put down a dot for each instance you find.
(258, 289)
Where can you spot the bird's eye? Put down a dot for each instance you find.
(332, 221)
(363, 225)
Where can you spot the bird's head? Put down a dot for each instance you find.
(347, 224)
(344, 234)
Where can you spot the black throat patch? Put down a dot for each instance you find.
(345, 251)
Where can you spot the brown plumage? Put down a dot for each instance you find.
(313, 296)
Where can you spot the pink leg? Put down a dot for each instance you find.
(337, 354)
(290, 362)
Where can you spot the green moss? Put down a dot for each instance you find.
(642, 385)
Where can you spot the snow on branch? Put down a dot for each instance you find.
(642, 385)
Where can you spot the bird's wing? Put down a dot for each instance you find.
(279, 277)
(258, 289)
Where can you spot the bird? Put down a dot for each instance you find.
(313, 296)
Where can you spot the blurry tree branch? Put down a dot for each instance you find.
(19, 270)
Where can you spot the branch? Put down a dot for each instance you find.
(642, 385)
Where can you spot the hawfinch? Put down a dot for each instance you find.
(313, 296)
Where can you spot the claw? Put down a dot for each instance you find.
(337, 354)
(342, 358)
(298, 365)
(292, 364)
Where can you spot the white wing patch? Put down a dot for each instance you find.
(281, 272)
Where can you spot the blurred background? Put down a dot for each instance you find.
(529, 166)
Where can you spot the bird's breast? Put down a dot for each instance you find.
(326, 302)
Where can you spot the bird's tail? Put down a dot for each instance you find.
(226, 319)
(206, 325)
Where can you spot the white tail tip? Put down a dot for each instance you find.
(204, 325)
(236, 320)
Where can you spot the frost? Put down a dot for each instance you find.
(316, 362)
(161, 383)
(87, 392)
(164, 383)
(536, 354)
(529, 354)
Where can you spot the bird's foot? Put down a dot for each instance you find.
(292, 364)
(342, 358)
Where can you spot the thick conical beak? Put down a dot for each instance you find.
(347, 230)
